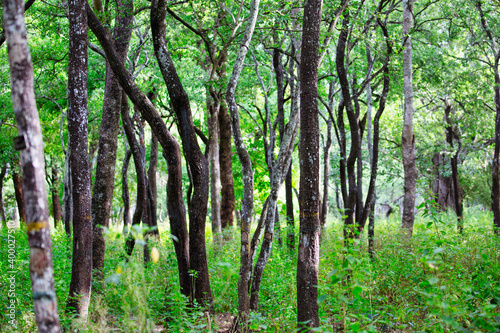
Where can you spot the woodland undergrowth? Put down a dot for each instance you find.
(439, 281)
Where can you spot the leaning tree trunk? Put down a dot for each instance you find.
(407, 138)
(171, 151)
(102, 196)
(81, 272)
(308, 254)
(30, 142)
(198, 163)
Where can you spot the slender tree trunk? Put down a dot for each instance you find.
(408, 139)
(3, 173)
(102, 196)
(246, 164)
(81, 272)
(56, 200)
(153, 189)
(495, 189)
(18, 191)
(32, 164)
(308, 254)
(67, 195)
(226, 169)
(213, 106)
(198, 163)
(326, 160)
(171, 152)
(125, 191)
(140, 172)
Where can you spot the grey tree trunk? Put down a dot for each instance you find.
(31, 146)
(213, 106)
(407, 138)
(246, 164)
(67, 194)
(81, 272)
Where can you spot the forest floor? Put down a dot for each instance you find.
(439, 281)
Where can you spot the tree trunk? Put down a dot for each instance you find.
(495, 189)
(67, 194)
(18, 191)
(125, 191)
(326, 159)
(102, 196)
(81, 272)
(171, 152)
(198, 163)
(226, 169)
(32, 163)
(56, 200)
(213, 107)
(246, 165)
(308, 254)
(153, 189)
(407, 138)
(140, 171)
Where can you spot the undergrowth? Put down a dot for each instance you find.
(437, 281)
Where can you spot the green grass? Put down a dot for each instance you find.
(439, 281)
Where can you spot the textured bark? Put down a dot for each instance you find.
(198, 163)
(226, 169)
(213, 106)
(125, 192)
(153, 188)
(246, 164)
(326, 158)
(407, 138)
(3, 173)
(171, 151)
(81, 272)
(309, 194)
(56, 199)
(67, 195)
(102, 196)
(140, 171)
(495, 177)
(18, 192)
(32, 163)
(442, 188)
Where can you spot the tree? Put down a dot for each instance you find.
(309, 194)
(108, 138)
(407, 138)
(81, 271)
(30, 142)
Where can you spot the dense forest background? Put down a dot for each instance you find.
(255, 166)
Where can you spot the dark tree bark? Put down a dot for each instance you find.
(102, 196)
(18, 191)
(56, 199)
(32, 164)
(81, 272)
(125, 192)
(326, 158)
(495, 176)
(153, 189)
(308, 254)
(226, 169)
(197, 161)
(67, 194)
(3, 173)
(407, 138)
(140, 172)
(171, 152)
